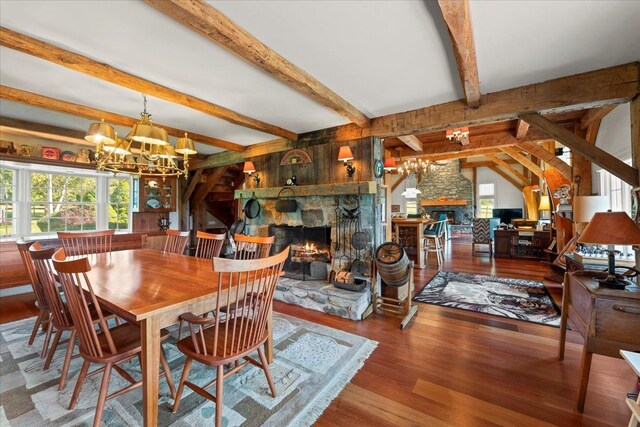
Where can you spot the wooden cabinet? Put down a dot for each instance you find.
(157, 195)
(521, 243)
(607, 319)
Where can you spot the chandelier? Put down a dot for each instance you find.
(415, 167)
(458, 135)
(145, 151)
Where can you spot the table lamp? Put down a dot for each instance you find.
(611, 228)
(545, 207)
(584, 207)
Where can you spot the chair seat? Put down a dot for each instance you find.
(186, 346)
(126, 338)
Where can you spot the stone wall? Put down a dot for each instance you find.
(446, 181)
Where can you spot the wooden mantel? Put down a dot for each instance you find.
(446, 202)
(337, 189)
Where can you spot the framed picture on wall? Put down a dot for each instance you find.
(635, 205)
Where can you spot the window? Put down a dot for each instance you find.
(486, 199)
(119, 203)
(7, 202)
(61, 202)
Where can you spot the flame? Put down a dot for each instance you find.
(310, 247)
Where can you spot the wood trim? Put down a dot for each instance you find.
(497, 160)
(341, 188)
(515, 154)
(548, 157)
(53, 104)
(503, 174)
(447, 202)
(83, 64)
(217, 27)
(461, 155)
(592, 153)
(457, 16)
(412, 142)
(635, 133)
(595, 114)
(47, 162)
(522, 128)
(39, 128)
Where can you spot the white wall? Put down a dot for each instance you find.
(614, 137)
(507, 196)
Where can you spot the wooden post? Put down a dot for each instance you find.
(635, 133)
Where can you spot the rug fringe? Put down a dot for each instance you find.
(331, 391)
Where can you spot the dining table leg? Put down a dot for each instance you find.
(150, 330)
(268, 346)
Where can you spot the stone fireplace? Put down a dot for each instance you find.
(447, 190)
(310, 250)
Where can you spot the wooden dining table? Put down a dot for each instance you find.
(154, 289)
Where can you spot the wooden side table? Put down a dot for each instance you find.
(607, 319)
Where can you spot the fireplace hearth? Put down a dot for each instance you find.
(310, 253)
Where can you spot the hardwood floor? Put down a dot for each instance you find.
(454, 367)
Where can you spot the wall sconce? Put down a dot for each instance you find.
(389, 164)
(346, 156)
(250, 169)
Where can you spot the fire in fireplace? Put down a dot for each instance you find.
(310, 250)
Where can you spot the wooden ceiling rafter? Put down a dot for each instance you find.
(508, 168)
(203, 189)
(412, 142)
(399, 181)
(590, 152)
(217, 27)
(548, 157)
(88, 66)
(193, 182)
(53, 104)
(457, 17)
(454, 156)
(524, 161)
(595, 115)
(506, 176)
(522, 128)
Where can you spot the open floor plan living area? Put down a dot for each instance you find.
(327, 213)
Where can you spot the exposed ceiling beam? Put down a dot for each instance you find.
(455, 155)
(193, 182)
(592, 153)
(515, 154)
(548, 157)
(522, 128)
(510, 169)
(457, 16)
(212, 179)
(465, 164)
(398, 182)
(635, 132)
(412, 142)
(29, 98)
(41, 130)
(506, 176)
(595, 114)
(608, 86)
(83, 64)
(217, 27)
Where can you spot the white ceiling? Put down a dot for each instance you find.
(381, 56)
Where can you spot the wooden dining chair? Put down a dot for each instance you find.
(176, 241)
(209, 245)
(101, 345)
(434, 242)
(217, 341)
(252, 247)
(44, 316)
(79, 243)
(61, 320)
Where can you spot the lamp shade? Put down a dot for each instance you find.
(611, 228)
(345, 153)
(584, 207)
(545, 203)
(101, 133)
(185, 145)
(249, 168)
(390, 164)
(535, 188)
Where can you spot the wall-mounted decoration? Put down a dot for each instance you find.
(7, 147)
(292, 181)
(68, 156)
(83, 156)
(295, 157)
(25, 150)
(378, 168)
(51, 153)
(395, 208)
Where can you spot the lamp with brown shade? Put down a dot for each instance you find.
(610, 229)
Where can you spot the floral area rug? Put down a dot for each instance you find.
(313, 363)
(501, 296)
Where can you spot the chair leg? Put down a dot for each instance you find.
(185, 374)
(219, 395)
(67, 359)
(47, 338)
(102, 396)
(167, 372)
(52, 350)
(267, 371)
(79, 383)
(36, 326)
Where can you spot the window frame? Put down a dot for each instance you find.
(15, 211)
(492, 197)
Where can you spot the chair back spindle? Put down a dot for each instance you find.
(176, 241)
(80, 296)
(23, 248)
(82, 243)
(252, 247)
(60, 315)
(209, 245)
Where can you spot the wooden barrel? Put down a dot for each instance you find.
(393, 264)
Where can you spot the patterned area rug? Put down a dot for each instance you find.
(313, 363)
(514, 298)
